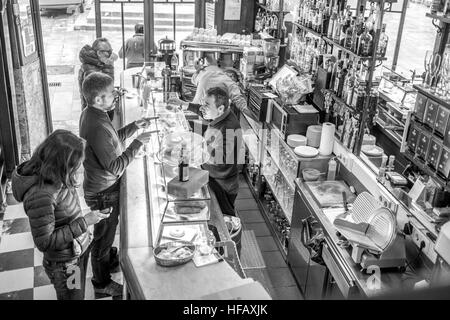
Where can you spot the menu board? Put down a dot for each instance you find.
(210, 13)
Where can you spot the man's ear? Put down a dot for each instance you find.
(98, 100)
(221, 108)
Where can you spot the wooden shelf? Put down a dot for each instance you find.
(438, 17)
(270, 10)
(432, 96)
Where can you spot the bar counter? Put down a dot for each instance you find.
(143, 278)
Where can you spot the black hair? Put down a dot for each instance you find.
(94, 84)
(220, 96)
(139, 28)
(57, 159)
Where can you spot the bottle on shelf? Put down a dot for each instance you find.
(383, 42)
(365, 44)
(337, 28)
(331, 24)
(359, 25)
(349, 36)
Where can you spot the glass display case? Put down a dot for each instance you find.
(172, 218)
(396, 102)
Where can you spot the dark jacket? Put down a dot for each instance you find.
(90, 63)
(224, 139)
(58, 227)
(105, 160)
(134, 51)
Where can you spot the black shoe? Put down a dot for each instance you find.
(113, 289)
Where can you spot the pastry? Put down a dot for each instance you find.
(177, 233)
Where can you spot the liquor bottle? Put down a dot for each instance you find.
(351, 86)
(383, 42)
(365, 44)
(349, 36)
(258, 19)
(337, 29)
(342, 34)
(319, 22)
(358, 29)
(331, 24)
(183, 165)
(346, 86)
(335, 71)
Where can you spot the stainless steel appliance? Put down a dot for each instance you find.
(258, 100)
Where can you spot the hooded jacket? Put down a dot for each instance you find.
(90, 63)
(134, 51)
(58, 227)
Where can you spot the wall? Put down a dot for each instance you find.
(235, 26)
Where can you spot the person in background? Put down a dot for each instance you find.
(96, 58)
(224, 139)
(211, 76)
(47, 186)
(104, 165)
(134, 48)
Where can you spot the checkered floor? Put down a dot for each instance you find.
(22, 276)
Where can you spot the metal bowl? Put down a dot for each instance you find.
(173, 262)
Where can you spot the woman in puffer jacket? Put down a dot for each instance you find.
(46, 185)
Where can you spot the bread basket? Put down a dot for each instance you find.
(173, 245)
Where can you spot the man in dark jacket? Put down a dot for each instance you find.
(224, 139)
(96, 58)
(134, 48)
(105, 162)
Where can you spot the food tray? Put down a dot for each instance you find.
(173, 262)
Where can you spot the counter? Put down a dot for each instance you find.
(139, 225)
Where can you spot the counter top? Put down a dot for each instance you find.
(144, 279)
(390, 280)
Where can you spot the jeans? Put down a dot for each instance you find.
(225, 198)
(104, 234)
(63, 276)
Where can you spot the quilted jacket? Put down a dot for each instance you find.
(58, 227)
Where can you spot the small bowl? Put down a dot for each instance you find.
(310, 174)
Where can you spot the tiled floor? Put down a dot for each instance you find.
(22, 276)
(276, 277)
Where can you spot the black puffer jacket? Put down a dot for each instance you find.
(57, 224)
(90, 63)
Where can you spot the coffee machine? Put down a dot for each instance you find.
(166, 48)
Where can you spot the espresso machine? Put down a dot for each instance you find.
(271, 49)
(166, 48)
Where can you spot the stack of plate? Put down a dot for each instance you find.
(296, 140)
(306, 152)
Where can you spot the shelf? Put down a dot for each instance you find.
(270, 10)
(283, 173)
(422, 166)
(210, 46)
(263, 208)
(432, 96)
(438, 17)
(340, 101)
(346, 50)
(287, 216)
(308, 29)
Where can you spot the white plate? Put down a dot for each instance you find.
(372, 150)
(306, 152)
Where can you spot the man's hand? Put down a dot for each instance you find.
(143, 123)
(183, 105)
(144, 137)
(96, 216)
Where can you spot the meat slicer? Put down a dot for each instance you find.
(371, 229)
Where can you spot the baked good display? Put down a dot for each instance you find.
(177, 233)
(182, 252)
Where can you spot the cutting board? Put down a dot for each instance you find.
(329, 193)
